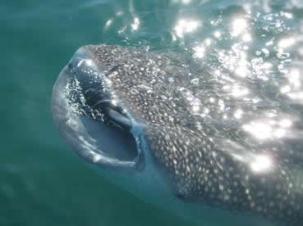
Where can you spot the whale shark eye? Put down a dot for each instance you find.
(99, 130)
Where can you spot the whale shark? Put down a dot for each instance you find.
(207, 147)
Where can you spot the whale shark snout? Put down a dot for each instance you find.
(90, 115)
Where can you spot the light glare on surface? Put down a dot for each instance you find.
(286, 42)
(199, 51)
(184, 26)
(239, 91)
(136, 24)
(294, 78)
(260, 130)
(239, 26)
(261, 163)
(186, 1)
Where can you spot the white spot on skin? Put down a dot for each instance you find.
(195, 81)
(212, 100)
(196, 108)
(217, 34)
(108, 23)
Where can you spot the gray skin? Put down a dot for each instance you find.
(166, 130)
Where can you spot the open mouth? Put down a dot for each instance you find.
(90, 116)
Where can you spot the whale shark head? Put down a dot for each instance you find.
(158, 121)
(114, 106)
(103, 106)
(91, 115)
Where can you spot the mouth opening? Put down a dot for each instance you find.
(87, 114)
(112, 134)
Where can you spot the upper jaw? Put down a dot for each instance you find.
(91, 118)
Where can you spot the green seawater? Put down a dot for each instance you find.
(42, 181)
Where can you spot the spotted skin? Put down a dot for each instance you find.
(200, 133)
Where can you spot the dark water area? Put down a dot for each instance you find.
(42, 181)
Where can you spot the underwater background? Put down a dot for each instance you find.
(42, 181)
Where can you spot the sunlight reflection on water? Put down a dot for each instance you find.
(252, 53)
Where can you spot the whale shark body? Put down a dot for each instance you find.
(209, 147)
